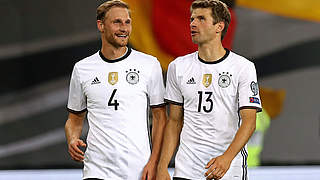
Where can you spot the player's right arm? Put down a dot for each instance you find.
(73, 129)
(170, 141)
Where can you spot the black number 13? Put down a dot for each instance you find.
(206, 109)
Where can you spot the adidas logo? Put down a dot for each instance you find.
(95, 81)
(191, 81)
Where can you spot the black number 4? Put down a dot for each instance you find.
(207, 100)
(115, 102)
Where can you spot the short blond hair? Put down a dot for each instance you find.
(219, 12)
(106, 6)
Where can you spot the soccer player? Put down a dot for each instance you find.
(115, 88)
(213, 96)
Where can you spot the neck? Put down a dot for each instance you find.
(111, 52)
(211, 51)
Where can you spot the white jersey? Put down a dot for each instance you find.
(211, 93)
(116, 94)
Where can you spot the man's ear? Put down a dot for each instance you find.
(100, 26)
(220, 26)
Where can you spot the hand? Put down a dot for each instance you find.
(74, 151)
(217, 167)
(163, 174)
(149, 171)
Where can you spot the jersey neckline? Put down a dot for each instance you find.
(118, 59)
(217, 61)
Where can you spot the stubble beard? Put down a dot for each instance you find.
(116, 43)
(195, 40)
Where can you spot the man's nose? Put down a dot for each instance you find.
(124, 27)
(193, 23)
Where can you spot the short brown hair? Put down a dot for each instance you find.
(219, 13)
(106, 6)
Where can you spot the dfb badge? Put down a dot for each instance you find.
(132, 76)
(224, 79)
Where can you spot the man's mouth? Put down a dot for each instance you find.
(193, 33)
(122, 35)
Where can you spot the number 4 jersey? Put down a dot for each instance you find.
(211, 93)
(116, 94)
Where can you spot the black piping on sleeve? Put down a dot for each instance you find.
(251, 107)
(158, 105)
(173, 102)
(76, 112)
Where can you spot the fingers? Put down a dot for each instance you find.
(222, 174)
(74, 151)
(82, 144)
(163, 175)
(144, 175)
(210, 174)
(75, 155)
(210, 166)
(147, 175)
(215, 168)
(216, 174)
(76, 148)
(210, 163)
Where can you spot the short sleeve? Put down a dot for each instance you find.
(76, 100)
(156, 86)
(173, 92)
(248, 89)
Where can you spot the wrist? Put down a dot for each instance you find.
(72, 139)
(228, 155)
(162, 165)
(153, 159)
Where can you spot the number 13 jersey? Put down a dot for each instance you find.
(211, 93)
(116, 94)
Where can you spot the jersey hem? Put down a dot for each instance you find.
(173, 102)
(93, 177)
(86, 178)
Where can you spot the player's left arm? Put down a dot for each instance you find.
(249, 104)
(159, 119)
(217, 167)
